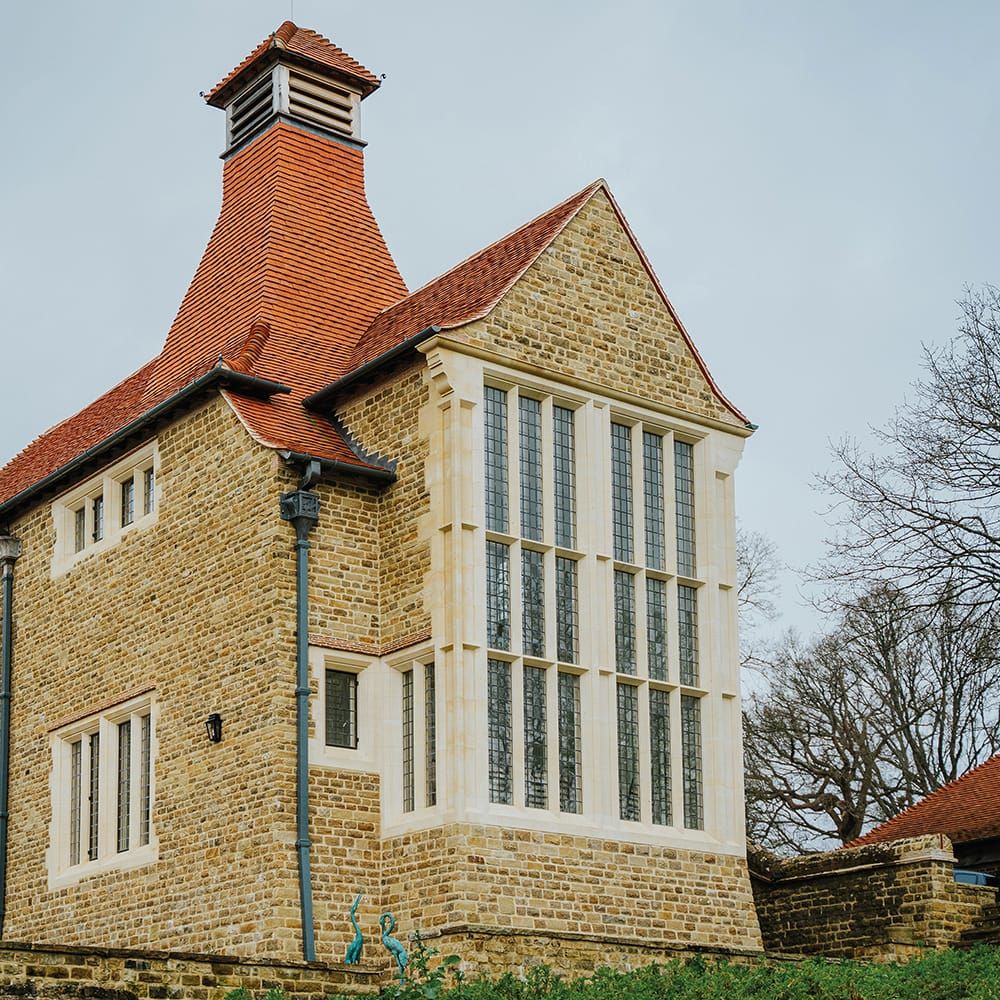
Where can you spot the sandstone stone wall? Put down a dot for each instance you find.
(67, 973)
(201, 604)
(881, 901)
(588, 308)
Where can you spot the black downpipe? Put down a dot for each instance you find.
(10, 550)
(302, 509)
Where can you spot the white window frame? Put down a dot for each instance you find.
(106, 484)
(60, 872)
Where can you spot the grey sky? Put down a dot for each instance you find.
(814, 183)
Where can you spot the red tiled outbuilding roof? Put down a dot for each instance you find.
(965, 810)
(308, 46)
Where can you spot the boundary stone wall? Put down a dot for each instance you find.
(881, 902)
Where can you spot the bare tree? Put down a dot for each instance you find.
(897, 699)
(757, 568)
(924, 509)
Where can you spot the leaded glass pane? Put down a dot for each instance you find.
(621, 492)
(684, 505)
(408, 741)
(500, 736)
(148, 491)
(79, 529)
(98, 507)
(659, 755)
(128, 502)
(495, 424)
(694, 818)
(144, 778)
(75, 790)
(94, 801)
(430, 734)
(564, 478)
(656, 628)
(497, 595)
(567, 611)
(570, 745)
(530, 437)
(628, 752)
(536, 781)
(533, 602)
(652, 482)
(124, 782)
(687, 633)
(341, 709)
(625, 622)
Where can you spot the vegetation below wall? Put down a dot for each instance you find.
(948, 975)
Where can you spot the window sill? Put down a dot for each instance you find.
(140, 857)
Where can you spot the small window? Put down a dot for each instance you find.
(80, 528)
(98, 518)
(128, 502)
(149, 491)
(341, 709)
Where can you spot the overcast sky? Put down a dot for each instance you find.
(814, 183)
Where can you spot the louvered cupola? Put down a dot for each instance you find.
(296, 76)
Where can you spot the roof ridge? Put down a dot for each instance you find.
(930, 797)
(595, 185)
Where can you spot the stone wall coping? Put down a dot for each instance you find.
(150, 955)
(487, 931)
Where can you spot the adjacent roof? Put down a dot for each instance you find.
(965, 810)
(303, 45)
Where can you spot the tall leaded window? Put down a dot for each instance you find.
(628, 752)
(570, 745)
(652, 482)
(149, 490)
(533, 602)
(530, 429)
(536, 781)
(79, 529)
(625, 622)
(407, 690)
(495, 421)
(94, 804)
(430, 735)
(684, 506)
(341, 709)
(145, 776)
(621, 492)
(75, 785)
(124, 782)
(694, 816)
(656, 628)
(567, 611)
(501, 750)
(687, 633)
(564, 475)
(497, 595)
(659, 755)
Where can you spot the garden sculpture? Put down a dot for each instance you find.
(357, 946)
(388, 924)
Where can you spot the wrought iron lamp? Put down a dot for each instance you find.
(213, 726)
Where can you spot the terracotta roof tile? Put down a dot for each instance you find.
(965, 809)
(309, 45)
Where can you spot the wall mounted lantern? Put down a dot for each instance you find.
(213, 726)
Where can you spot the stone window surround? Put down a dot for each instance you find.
(105, 721)
(596, 565)
(106, 484)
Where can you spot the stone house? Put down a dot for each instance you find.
(427, 596)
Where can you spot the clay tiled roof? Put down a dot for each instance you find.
(964, 810)
(307, 45)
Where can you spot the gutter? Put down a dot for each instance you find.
(10, 551)
(324, 398)
(246, 385)
(333, 466)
